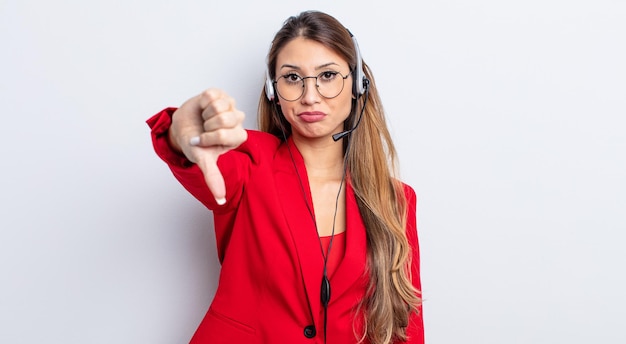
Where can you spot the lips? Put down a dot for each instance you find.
(311, 117)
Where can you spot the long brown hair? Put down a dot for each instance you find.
(390, 297)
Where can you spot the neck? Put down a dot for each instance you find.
(323, 158)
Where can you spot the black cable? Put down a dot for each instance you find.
(325, 290)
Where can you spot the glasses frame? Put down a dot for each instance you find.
(303, 78)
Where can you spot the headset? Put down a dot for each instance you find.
(359, 85)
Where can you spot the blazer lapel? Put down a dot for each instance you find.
(294, 192)
(353, 265)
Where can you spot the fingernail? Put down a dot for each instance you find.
(220, 201)
(194, 141)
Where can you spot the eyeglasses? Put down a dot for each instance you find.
(291, 86)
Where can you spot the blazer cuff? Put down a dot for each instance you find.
(160, 124)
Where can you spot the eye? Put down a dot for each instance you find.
(292, 78)
(328, 76)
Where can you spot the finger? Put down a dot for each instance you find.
(217, 107)
(225, 120)
(186, 124)
(213, 177)
(229, 138)
(210, 95)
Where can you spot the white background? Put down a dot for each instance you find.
(509, 117)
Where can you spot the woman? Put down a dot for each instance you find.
(316, 237)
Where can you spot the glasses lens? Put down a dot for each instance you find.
(330, 84)
(291, 86)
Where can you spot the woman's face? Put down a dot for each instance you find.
(313, 116)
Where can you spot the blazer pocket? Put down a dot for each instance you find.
(231, 323)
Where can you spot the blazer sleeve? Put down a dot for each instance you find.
(415, 330)
(234, 165)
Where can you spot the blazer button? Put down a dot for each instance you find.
(309, 331)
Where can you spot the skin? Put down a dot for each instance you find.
(323, 156)
(203, 128)
(209, 125)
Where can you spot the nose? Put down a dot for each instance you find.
(311, 94)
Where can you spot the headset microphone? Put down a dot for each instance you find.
(342, 134)
(360, 87)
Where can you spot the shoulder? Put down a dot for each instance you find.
(409, 193)
(259, 145)
(411, 210)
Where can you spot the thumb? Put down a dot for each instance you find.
(213, 176)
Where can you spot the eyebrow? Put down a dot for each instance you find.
(286, 65)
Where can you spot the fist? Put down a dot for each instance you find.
(205, 127)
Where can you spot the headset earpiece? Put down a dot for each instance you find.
(269, 85)
(360, 80)
(270, 93)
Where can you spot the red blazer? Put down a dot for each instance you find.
(270, 279)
